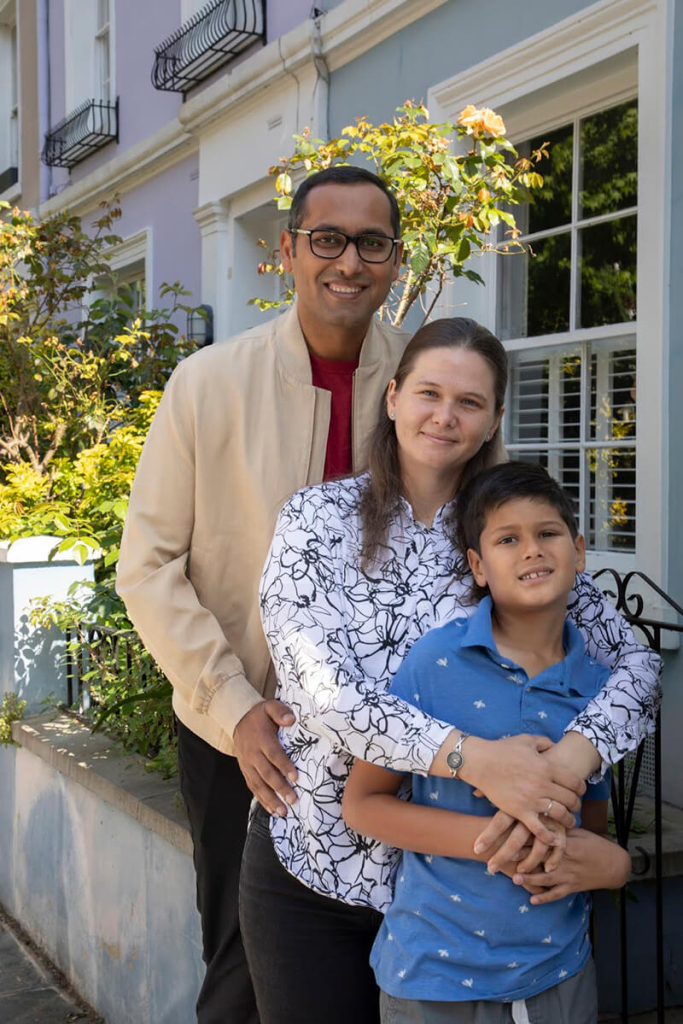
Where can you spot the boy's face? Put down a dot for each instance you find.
(527, 557)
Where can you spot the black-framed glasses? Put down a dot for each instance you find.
(329, 245)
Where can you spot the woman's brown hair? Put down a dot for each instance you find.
(380, 501)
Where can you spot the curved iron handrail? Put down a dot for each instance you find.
(214, 35)
(85, 130)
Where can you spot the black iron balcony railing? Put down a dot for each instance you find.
(213, 36)
(87, 129)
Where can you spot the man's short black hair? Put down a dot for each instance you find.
(507, 482)
(343, 175)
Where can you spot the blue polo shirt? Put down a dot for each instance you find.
(453, 931)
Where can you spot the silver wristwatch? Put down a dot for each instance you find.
(455, 760)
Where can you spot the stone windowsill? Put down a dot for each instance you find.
(100, 765)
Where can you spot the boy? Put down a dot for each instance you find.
(460, 944)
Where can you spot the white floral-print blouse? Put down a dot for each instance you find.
(337, 635)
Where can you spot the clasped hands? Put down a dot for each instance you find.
(533, 840)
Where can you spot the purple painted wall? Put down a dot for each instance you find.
(282, 17)
(165, 205)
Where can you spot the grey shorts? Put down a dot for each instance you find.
(574, 1001)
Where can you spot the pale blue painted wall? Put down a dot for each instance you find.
(452, 38)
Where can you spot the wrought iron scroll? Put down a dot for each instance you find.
(213, 36)
(631, 604)
(92, 125)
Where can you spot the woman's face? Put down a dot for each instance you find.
(443, 411)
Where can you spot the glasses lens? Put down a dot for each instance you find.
(374, 248)
(327, 243)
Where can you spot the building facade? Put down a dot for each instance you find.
(179, 108)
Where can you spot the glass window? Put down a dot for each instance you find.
(103, 52)
(572, 397)
(581, 231)
(573, 408)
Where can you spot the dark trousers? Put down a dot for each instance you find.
(217, 801)
(308, 954)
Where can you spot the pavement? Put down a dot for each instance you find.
(32, 991)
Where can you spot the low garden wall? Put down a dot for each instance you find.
(96, 865)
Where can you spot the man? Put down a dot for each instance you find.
(240, 427)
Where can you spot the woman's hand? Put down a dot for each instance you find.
(516, 778)
(527, 850)
(590, 862)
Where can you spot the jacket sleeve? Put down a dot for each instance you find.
(302, 599)
(618, 718)
(184, 638)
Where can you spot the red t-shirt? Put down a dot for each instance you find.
(337, 377)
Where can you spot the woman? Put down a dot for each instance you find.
(358, 570)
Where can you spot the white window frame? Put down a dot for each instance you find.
(188, 8)
(603, 36)
(10, 111)
(127, 256)
(81, 53)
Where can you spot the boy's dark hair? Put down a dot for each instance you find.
(496, 486)
(344, 175)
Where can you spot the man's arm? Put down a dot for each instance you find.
(184, 637)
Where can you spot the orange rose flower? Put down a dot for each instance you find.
(483, 121)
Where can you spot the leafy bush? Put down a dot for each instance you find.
(11, 710)
(81, 374)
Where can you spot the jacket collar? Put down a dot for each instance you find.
(292, 350)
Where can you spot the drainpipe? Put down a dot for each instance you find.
(44, 92)
(321, 90)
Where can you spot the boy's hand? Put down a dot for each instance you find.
(591, 862)
(516, 778)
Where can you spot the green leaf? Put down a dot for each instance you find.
(419, 258)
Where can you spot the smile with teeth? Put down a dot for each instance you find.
(344, 289)
(536, 574)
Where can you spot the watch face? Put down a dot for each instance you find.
(454, 760)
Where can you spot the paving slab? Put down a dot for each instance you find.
(31, 989)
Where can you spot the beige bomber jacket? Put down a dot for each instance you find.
(240, 427)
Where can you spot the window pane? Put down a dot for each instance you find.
(609, 160)
(533, 293)
(613, 392)
(528, 406)
(102, 13)
(552, 206)
(545, 396)
(608, 272)
(612, 501)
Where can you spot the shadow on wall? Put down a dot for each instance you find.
(40, 675)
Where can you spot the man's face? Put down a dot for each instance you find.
(343, 292)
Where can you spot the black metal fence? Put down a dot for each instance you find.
(213, 36)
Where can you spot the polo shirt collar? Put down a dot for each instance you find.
(565, 674)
